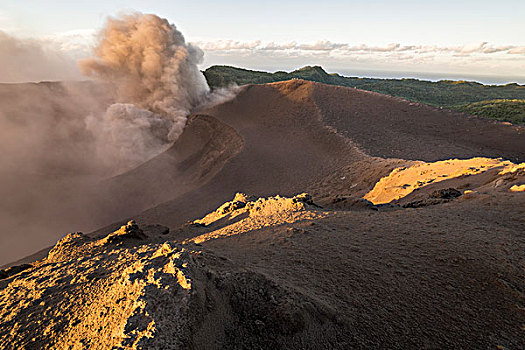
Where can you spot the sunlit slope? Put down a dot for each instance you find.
(403, 181)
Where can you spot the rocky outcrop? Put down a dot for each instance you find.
(342, 202)
(445, 193)
(245, 214)
(129, 231)
(126, 292)
(442, 179)
(13, 270)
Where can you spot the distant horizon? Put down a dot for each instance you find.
(483, 79)
(359, 73)
(387, 74)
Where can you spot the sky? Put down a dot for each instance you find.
(434, 39)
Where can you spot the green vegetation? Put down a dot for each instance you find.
(502, 102)
(220, 76)
(506, 110)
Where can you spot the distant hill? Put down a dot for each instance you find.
(220, 76)
(455, 95)
(507, 110)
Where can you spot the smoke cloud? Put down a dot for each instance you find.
(62, 141)
(157, 81)
(49, 165)
(24, 60)
(127, 135)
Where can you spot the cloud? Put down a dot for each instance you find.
(517, 50)
(278, 47)
(75, 43)
(342, 48)
(321, 46)
(484, 54)
(222, 45)
(6, 22)
(34, 60)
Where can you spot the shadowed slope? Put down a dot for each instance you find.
(286, 148)
(291, 143)
(200, 152)
(439, 277)
(393, 128)
(196, 157)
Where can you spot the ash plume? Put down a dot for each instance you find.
(157, 82)
(62, 140)
(24, 60)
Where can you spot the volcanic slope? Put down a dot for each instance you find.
(298, 135)
(390, 127)
(283, 138)
(282, 272)
(440, 266)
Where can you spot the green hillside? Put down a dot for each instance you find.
(456, 95)
(506, 110)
